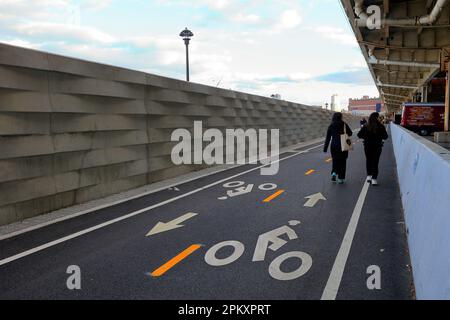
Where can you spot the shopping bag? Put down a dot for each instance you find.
(346, 142)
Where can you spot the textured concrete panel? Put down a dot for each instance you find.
(94, 70)
(66, 103)
(16, 56)
(14, 100)
(65, 83)
(105, 189)
(70, 123)
(25, 146)
(12, 123)
(72, 131)
(23, 79)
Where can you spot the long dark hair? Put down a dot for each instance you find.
(373, 124)
(337, 118)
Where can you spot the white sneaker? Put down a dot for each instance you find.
(374, 182)
(369, 178)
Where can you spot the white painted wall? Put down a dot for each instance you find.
(423, 169)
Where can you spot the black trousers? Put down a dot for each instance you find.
(339, 167)
(373, 154)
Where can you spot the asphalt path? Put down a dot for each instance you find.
(318, 251)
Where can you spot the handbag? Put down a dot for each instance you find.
(346, 142)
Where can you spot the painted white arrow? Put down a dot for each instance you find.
(174, 224)
(313, 199)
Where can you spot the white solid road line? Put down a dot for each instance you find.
(106, 205)
(135, 213)
(113, 203)
(334, 280)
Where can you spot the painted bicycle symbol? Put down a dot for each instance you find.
(270, 240)
(238, 188)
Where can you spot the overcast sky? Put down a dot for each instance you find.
(304, 50)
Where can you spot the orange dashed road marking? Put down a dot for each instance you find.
(310, 172)
(174, 261)
(276, 194)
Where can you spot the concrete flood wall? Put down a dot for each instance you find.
(424, 175)
(73, 131)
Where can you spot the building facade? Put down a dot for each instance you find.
(365, 106)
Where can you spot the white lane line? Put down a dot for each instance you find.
(135, 213)
(106, 205)
(334, 280)
(113, 203)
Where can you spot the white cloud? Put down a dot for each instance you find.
(96, 5)
(336, 34)
(246, 18)
(213, 4)
(63, 31)
(51, 20)
(160, 42)
(170, 57)
(21, 43)
(289, 19)
(217, 4)
(42, 10)
(93, 52)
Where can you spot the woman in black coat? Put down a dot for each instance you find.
(334, 132)
(373, 134)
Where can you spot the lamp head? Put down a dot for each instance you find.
(186, 34)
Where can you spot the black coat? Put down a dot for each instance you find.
(334, 136)
(373, 139)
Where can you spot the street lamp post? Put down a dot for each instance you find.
(187, 35)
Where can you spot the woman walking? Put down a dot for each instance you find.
(335, 130)
(373, 134)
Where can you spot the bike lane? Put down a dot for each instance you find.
(379, 265)
(16, 244)
(117, 261)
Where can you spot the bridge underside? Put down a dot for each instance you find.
(405, 48)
